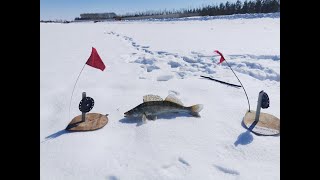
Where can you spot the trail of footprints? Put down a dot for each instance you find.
(196, 63)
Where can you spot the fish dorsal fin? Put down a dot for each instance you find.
(151, 97)
(173, 99)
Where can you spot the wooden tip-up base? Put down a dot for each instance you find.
(268, 125)
(92, 122)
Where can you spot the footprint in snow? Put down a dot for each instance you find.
(183, 161)
(226, 170)
(164, 78)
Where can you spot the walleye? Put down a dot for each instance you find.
(154, 105)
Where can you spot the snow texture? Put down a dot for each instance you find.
(160, 57)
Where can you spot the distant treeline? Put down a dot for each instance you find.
(257, 6)
(239, 7)
(55, 21)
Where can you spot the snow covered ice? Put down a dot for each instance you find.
(161, 58)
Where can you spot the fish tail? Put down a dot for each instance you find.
(195, 109)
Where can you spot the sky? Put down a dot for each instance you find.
(70, 9)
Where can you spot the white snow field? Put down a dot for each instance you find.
(161, 58)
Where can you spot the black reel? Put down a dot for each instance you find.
(86, 104)
(265, 102)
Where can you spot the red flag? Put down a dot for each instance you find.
(95, 60)
(222, 58)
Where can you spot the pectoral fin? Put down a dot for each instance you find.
(144, 118)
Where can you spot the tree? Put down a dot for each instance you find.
(251, 7)
(245, 7)
(227, 8)
(221, 9)
(258, 5)
(233, 8)
(238, 7)
(275, 5)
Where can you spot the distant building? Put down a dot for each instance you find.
(96, 16)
